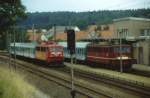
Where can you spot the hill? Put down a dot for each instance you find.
(81, 19)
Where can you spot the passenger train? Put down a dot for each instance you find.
(91, 54)
(48, 52)
(102, 55)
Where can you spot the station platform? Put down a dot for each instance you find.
(140, 80)
(140, 67)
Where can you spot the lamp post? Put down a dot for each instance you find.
(121, 67)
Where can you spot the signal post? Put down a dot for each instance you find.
(71, 48)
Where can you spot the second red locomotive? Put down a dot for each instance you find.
(109, 55)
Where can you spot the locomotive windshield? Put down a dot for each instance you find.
(123, 50)
(56, 49)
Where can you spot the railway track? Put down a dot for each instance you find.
(135, 72)
(140, 73)
(63, 80)
(4, 53)
(105, 79)
(121, 83)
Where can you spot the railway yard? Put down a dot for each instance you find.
(89, 82)
(88, 49)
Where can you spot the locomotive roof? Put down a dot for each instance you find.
(25, 45)
(78, 44)
(99, 45)
(48, 45)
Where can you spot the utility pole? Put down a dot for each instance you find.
(121, 67)
(33, 33)
(14, 47)
(22, 38)
(9, 49)
(55, 33)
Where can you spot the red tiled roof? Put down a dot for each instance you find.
(79, 35)
(32, 36)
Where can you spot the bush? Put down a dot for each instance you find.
(12, 85)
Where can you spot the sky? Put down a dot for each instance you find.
(83, 5)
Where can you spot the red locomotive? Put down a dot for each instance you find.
(109, 55)
(49, 52)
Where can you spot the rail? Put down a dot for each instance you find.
(136, 84)
(81, 87)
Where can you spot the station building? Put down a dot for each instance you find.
(136, 30)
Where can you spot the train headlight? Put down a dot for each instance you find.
(123, 57)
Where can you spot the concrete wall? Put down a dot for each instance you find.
(134, 27)
(137, 26)
(142, 53)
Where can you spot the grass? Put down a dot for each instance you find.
(13, 85)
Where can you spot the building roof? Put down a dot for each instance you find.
(24, 45)
(131, 18)
(79, 35)
(33, 36)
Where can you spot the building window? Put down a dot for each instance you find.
(148, 32)
(123, 32)
(145, 32)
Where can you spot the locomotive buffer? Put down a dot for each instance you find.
(71, 48)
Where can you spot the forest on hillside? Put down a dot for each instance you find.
(81, 19)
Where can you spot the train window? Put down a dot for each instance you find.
(81, 51)
(38, 49)
(103, 49)
(46, 48)
(124, 49)
(16, 49)
(28, 50)
(43, 48)
(84, 51)
(65, 50)
(107, 49)
(55, 49)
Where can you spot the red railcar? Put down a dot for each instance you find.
(49, 53)
(109, 55)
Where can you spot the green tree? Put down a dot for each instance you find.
(81, 19)
(10, 12)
